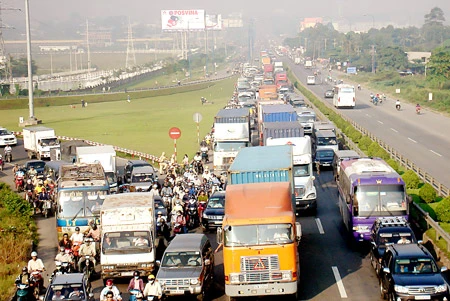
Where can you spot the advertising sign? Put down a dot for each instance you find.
(213, 22)
(351, 70)
(183, 20)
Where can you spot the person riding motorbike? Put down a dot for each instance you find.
(110, 287)
(8, 153)
(23, 278)
(36, 267)
(63, 256)
(162, 230)
(136, 285)
(204, 149)
(153, 288)
(418, 108)
(166, 190)
(397, 104)
(94, 233)
(65, 242)
(359, 87)
(180, 223)
(42, 197)
(86, 249)
(31, 172)
(29, 190)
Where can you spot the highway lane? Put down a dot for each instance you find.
(325, 255)
(420, 138)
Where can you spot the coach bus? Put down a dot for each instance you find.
(81, 191)
(369, 188)
(344, 96)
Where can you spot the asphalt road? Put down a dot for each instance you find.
(421, 138)
(330, 268)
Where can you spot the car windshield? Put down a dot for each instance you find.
(253, 235)
(306, 118)
(126, 242)
(216, 203)
(324, 154)
(326, 141)
(415, 266)
(5, 132)
(181, 259)
(36, 165)
(394, 238)
(65, 292)
(138, 178)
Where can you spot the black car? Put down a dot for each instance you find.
(385, 231)
(409, 272)
(70, 286)
(324, 157)
(38, 165)
(130, 165)
(215, 210)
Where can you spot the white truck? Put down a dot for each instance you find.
(278, 67)
(297, 60)
(39, 141)
(231, 133)
(308, 64)
(128, 235)
(304, 189)
(106, 155)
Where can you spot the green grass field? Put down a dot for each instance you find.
(140, 125)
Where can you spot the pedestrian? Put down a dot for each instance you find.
(128, 98)
(162, 163)
(83, 103)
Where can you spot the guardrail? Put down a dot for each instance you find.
(405, 162)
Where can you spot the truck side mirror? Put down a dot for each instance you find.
(219, 235)
(298, 229)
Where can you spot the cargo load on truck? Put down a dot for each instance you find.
(278, 113)
(271, 130)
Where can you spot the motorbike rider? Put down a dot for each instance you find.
(110, 287)
(77, 237)
(155, 189)
(162, 230)
(42, 197)
(181, 220)
(63, 256)
(86, 249)
(178, 188)
(166, 190)
(204, 150)
(136, 285)
(206, 175)
(397, 104)
(65, 242)
(29, 187)
(95, 234)
(15, 169)
(31, 172)
(418, 108)
(153, 288)
(7, 150)
(35, 265)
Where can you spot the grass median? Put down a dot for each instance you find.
(141, 124)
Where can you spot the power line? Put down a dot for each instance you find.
(131, 57)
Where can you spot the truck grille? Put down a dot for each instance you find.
(422, 289)
(260, 263)
(177, 282)
(258, 277)
(299, 192)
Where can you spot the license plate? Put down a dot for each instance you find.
(258, 286)
(177, 292)
(126, 274)
(423, 297)
(218, 222)
(326, 164)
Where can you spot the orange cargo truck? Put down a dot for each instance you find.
(260, 241)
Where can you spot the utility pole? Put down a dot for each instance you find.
(373, 59)
(251, 38)
(88, 48)
(131, 57)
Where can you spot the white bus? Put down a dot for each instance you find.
(344, 96)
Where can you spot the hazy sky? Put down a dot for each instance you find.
(148, 11)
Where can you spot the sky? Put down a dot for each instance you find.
(384, 12)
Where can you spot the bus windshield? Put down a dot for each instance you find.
(81, 203)
(380, 200)
(257, 235)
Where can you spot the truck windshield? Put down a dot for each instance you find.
(326, 141)
(126, 242)
(255, 235)
(306, 118)
(137, 178)
(380, 200)
(49, 141)
(229, 146)
(301, 170)
(181, 259)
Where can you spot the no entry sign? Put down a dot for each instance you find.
(174, 133)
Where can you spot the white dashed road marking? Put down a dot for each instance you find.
(394, 130)
(319, 226)
(380, 122)
(438, 154)
(412, 140)
(339, 283)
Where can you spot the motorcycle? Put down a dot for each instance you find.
(375, 101)
(22, 292)
(75, 253)
(397, 107)
(1, 163)
(192, 214)
(36, 283)
(19, 183)
(8, 157)
(417, 110)
(88, 266)
(134, 293)
(47, 208)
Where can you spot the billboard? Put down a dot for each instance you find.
(351, 70)
(183, 20)
(213, 22)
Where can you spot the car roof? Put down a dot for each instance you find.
(409, 250)
(187, 242)
(218, 194)
(72, 278)
(138, 162)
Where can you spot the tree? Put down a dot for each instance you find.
(435, 17)
(19, 67)
(438, 67)
(392, 58)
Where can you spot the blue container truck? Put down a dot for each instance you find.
(262, 164)
(279, 113)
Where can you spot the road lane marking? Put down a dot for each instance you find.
(394, 130)
(438, 154)
(412, 140)
(380, 122)
(319, 226)
(339, 283)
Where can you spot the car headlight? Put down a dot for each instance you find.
(361, 228)
(204, 215)
(234, 278)
(311, 196)
(441, 288)
(194, 281)
(401, 289)
(287, 275)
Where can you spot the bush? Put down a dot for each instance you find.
(427, 193)
(392, 163)
(364, 143)
(443, 210)
(411, 179)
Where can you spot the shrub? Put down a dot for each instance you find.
(355, 135)
(443, 210)
(427, 193)
(411, 179)
(392, 163)
(364, 143)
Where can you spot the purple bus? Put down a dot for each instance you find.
(369, 188)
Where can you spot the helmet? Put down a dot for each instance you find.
(109, 282)
(137, 273)
(62, 249)
(151, 277)
(155, 186)
(29, 181)
(77, 228)
(87, 240)
(34, 254)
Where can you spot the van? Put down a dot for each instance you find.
(131, 164)
(187, 266)
(340, 156)
(142, 178)
(214, 211)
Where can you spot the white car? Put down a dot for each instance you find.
(7, 138)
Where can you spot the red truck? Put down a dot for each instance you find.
(281, 79)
